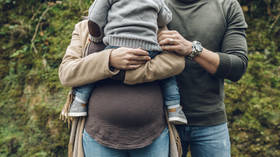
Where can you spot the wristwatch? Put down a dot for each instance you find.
(196, 50)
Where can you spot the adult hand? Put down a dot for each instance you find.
(128, 59)
(170, 40)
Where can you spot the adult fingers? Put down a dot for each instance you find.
(172, 34)
(165, 36)
(128, 51)
(139, 58)
(139, 52)
(168, 32)
(138, 55)
(132, 67)
(170, 48)
(136, 62)
(169, 41)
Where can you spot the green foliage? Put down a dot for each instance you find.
(253, 104)
(254, 108)
(34, 36)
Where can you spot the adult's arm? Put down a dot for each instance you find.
(162, 66)
(233, 58)
(231, 62)
(76, 70)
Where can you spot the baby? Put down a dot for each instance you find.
(133, 24)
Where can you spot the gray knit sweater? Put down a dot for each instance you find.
(130, 23)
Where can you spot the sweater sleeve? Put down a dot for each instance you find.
(98, 13)
(233, 58)
(164, 15)
(75, 70)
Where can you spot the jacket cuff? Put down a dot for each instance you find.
(108, 70)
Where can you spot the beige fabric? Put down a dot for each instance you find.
(162, 66)
(175, 146)
(76, 70)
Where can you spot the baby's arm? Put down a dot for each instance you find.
(164, 15)
(98, 13)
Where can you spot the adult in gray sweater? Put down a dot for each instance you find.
(211, 34)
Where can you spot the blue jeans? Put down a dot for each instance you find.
(210, 141)
(83, 92)
(169, 87)
(159, 148)
(170, 91)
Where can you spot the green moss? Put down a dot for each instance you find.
(254, 108)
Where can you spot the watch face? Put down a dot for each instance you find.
(196, 49)
(198, 46)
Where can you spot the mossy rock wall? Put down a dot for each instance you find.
(34, 36)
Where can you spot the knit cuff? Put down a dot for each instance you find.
(96, 39)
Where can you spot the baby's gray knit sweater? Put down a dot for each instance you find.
(130, 23)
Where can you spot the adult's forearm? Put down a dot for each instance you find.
(233, 58)
(229, 66)
(80, 71)
(232, 66)
(208, 60)
(162, 66)
(75, 70)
